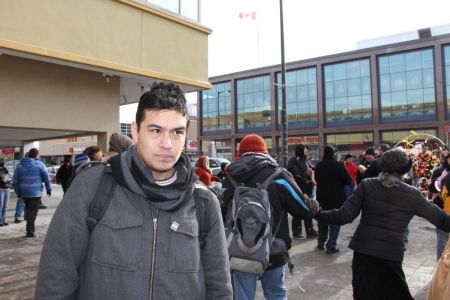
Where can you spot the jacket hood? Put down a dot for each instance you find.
(131, 172)
(248, 165)
(203, 162)
(27, 162)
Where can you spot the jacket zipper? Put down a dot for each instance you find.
(152, 269)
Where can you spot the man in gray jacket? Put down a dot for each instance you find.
(148, 244)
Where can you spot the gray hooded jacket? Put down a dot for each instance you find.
(145, 247)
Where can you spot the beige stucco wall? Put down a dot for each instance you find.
(48, 96)
(119, 35)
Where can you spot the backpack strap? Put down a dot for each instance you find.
(201, 196)
(272, 176)
(102, 198)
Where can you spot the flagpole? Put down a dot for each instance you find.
(283, 91)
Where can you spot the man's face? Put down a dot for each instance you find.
(306, 152)
(160, 140)
(98, 156)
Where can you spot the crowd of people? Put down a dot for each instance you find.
(166, 229)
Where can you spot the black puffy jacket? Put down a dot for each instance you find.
(385, 213)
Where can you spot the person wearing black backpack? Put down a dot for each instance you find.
(251, 170)
(151, 241)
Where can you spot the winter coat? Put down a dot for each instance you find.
(145, 247)
(64, 175)
(302, 172)
(385, 213)
(284, 195)
(5, 179)
(331, 177)
(374, 168)
(352, 170)
(203, 171)
(28, 178)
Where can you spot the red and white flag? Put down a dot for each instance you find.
(248, 15)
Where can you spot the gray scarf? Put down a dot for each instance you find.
(167, 197)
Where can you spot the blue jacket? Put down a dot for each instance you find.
(28, 178)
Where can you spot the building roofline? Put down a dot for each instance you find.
(330, 57)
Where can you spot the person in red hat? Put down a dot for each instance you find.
(253, 166)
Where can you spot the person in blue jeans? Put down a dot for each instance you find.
(20, 209)
(5, 184)
(244, 284)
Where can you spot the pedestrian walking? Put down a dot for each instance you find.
(64, 174)
(28, 180)
(387, 205)
(5, 185)
(153, 241)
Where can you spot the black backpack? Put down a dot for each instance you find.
(108, 185)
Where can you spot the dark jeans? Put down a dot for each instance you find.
(297, 225)
(32, 208)
(331, 239)
(376, 278)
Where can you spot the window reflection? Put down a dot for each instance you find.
(406, 83)
(216, 108)
(301, 98)
(348, 92)
(253, 102)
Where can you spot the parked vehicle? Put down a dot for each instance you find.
(215, 162)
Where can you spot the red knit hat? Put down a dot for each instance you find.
(252, 143)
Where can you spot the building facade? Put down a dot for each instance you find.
(67, 66)
(350, 100)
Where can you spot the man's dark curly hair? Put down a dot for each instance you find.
(162, 96)
(395, 162)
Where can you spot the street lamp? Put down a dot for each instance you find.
(283, 90)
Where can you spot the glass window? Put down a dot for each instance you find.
(447, 78)
(346, 93)
(216, 108)
(353, 143)
(407, 89)
(187, 8)
(394, 137)
(255, 112)
(301, 91)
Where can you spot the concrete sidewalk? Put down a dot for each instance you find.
(322, 276)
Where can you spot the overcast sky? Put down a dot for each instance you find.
(311, 29)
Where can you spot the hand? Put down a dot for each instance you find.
(49, 193)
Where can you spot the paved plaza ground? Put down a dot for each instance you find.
(322, 276)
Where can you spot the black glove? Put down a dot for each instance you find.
(49, 193)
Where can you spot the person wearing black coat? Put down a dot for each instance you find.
(64, 174)
(303, 174)
(387, 205)
(331, 177)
